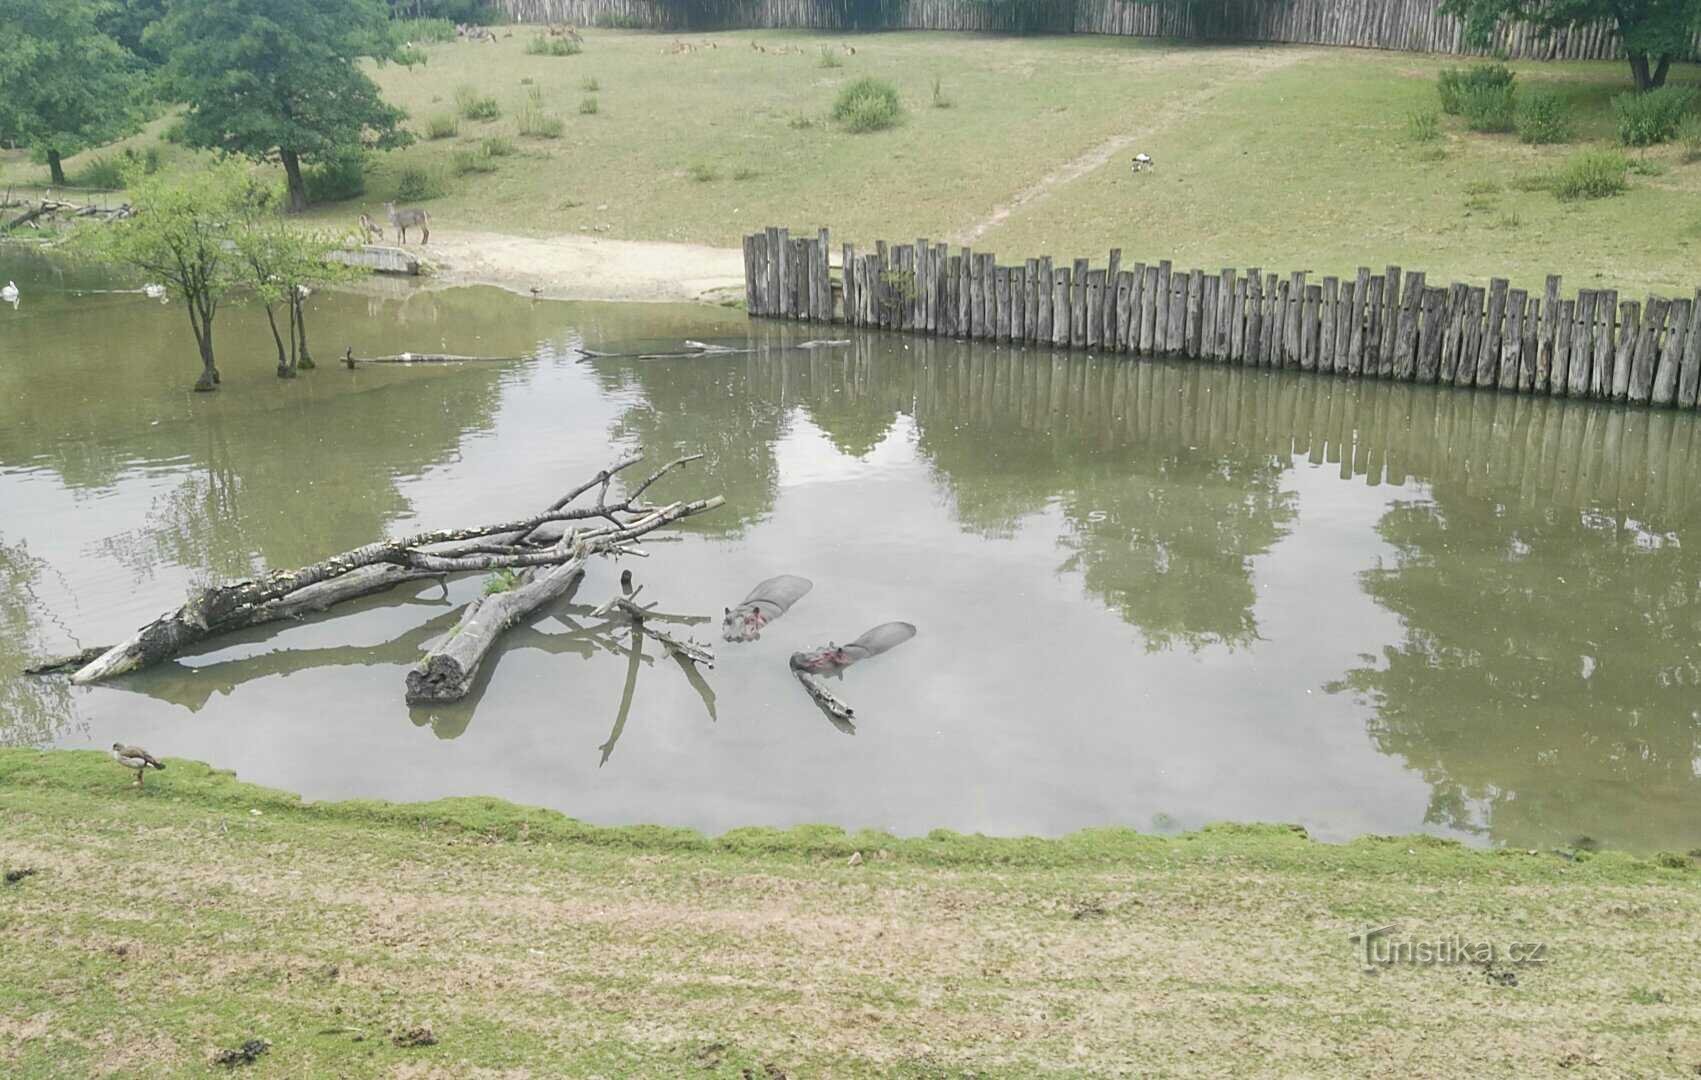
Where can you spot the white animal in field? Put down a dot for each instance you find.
(10, 293)
(1142, 162)
(154, 292)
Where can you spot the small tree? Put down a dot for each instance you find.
(181, 237)
(280, 81)
(66, 84)
(1655, 32)
(281, 265)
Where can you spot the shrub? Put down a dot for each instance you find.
(1489, 108)
(830, 58)
(1535, 181)
(589, 85)
(425, 30)
(1423, 125)
(415, 184)
(548, 46)
(476, 106)
(101, 172)
(588, 105)
(1653, 117)
(471, 159)
(702, 173)
(940, 101)
(442, 126)
(868, 104)
(1453, 83)
(1644, 166)
(1593, 174)
(1543, 118)
(1482, 187)
(1689, 135)
(537, 124)
(343, 177)
(497, 146)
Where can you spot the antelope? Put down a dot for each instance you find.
(370, 229)
(410, 216)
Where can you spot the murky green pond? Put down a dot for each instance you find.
(1146, 594)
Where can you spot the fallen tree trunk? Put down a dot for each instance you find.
(350, 360)
(367, 569)
(447, 672)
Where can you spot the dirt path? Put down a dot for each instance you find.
(1259, 62)
(571, 267)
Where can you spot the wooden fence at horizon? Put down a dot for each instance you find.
(1405, 25)
(1393, 325)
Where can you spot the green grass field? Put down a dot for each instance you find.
(1282, 157)
(162, 925)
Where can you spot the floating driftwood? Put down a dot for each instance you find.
(694, 349)
(350, 360)
(548, 546)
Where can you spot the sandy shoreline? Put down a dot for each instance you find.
(576, 267)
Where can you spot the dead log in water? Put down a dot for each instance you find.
(286, 594)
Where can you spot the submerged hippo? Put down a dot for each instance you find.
(766, 602)
(835, 658)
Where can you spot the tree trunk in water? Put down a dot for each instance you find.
(298, 310)
(297, 189)
(209, 379)
(285, 371)
(55, 167)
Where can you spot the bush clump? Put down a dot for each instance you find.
(1689, 137)
(1543, 117)
(415, 184)
(442, 126)
(1653, 117)
(1489, 108)
(1423, 125)
(536, 124)
(588, 105)
(868, 104)
(1455, 83)
(341, 178)
(553, 46)
(101, 172)
(476, 106)
(472, 159)
(1593, 174)
(433, 31)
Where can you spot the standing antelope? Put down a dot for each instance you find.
(370, 229)
(411, 216)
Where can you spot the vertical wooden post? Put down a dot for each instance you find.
(1530, 355)
(1043, 331)
(1642, 364)
(1225, 314)
(1019, 304)
(1689, 379)
(1278, 351)
(1565, 328)
(1274, 310)
(1629, 329)
(1095, 308)
(1488, 348)
(824, 277)
(1358, 315)
(1119, 320)
(1600, 374)
(1406, 328)
(1579, 375)
(1308, 343)
(1107, 304)
(1030, 300)
(1060, 293)
(1148, 310)
(1237, 322)
(1388, 323)
(1160, 329)
(787, 278)
(1195, 315)
(1207, 344)
(1177, 313)
(1375, 309)
(1512, 339)
(750, 304)
(1470, 343)
(1254, 318)
(1430, 334)
(1545, 358)
(1671, 355)
(1078, 304)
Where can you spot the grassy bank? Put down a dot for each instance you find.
(164, 924)
(1284, 157)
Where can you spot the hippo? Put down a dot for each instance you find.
(833, 659)
(766, 602)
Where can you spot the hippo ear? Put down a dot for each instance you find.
(726, 611)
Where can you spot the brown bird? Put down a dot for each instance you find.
(134, 757)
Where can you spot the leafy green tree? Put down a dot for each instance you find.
(67, 84)
(281, 264)
(181, 237)
(280, 81)
(1655, 32)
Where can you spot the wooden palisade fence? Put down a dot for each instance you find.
(1393, 325)
(1406, 25)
